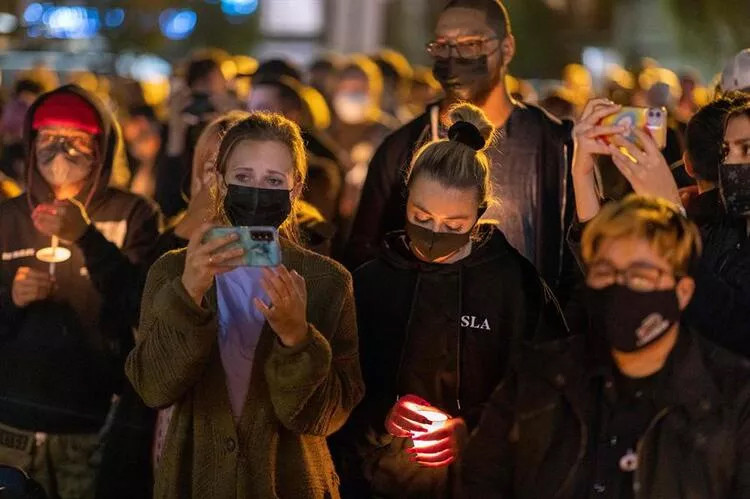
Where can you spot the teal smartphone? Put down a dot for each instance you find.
(261, 244)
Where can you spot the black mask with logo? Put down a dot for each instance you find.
(468, 79)
(254, 207)
(734, 187)
(632, 320)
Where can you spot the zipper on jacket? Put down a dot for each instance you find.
(564, 208)
(581, 453)
(405, 344)
(460, 334)
(639, 446)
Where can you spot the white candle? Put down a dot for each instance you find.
(437, 420)
(55, 242)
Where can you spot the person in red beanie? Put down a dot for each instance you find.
(69, 248)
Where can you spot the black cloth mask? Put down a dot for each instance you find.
(434, 245)
(466, 78)
(734, 187)
(253, 207)
(631, 320)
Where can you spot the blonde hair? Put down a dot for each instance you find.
(262, 126)
(214, 131)
(456, 164)
(655, 220)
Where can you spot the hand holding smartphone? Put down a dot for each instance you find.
(260, 244)
(652, 120)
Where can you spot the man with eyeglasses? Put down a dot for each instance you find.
(472, 49)
(69, 249)
(641, 406)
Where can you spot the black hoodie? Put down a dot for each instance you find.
(61, 359)
(533, 138)
(443, 332)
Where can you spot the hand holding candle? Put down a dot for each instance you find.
(437, 437)
(405, 418)
(67, 219)
(441, 445)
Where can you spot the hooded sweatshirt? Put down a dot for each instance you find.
(443, 332)
(61, 358)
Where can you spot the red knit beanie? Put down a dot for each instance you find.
(67, 110)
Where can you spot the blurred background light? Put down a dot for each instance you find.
(293, 17)
(239, 7)
(71, 22)
(33, 13)
(177, 24)
(114, 18)
(8, 22)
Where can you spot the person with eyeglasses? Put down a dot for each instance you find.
(721, 306)
(68, 248)
(472, 49)
(638, 406)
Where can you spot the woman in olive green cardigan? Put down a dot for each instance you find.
(304, 375)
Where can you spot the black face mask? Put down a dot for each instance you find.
(467, 79)
(734, 187)
(434, 245)
(253, 207)
(631, 320)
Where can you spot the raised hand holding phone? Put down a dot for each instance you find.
(207, 259)
(644, 166)
(589, 137)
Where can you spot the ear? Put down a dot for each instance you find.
(508, 49)
(688, 165)
(685, 289)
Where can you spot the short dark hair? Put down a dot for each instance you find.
(278, 67)
(199, 69)
(704, 135)
(323, 64)
(287, 88)
(495, 11)
(27, 85)
(143, 110)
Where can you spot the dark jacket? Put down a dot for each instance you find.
(720, 308)
(443, 332)
(61, 359)
(533, 137)
(533, 438)
(705, 208)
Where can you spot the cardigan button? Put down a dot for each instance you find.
(231, 445)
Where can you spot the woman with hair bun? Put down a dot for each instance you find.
(439, 312)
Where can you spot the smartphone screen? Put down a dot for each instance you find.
(261, 244)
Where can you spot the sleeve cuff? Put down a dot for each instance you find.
(91, 236)
(175, 300)
(313, 336)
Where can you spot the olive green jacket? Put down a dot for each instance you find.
(297, 396)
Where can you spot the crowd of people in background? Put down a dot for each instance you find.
(484, 289)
